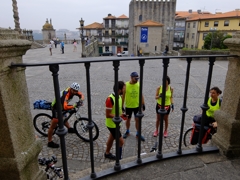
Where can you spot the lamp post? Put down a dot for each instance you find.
(169, 29)
(82, 38)
(212, 30)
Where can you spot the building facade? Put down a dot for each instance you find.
(162, 12)
(228, 23)
(112, 34)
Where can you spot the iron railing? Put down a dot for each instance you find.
(61, 132)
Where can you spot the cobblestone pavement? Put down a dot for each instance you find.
(40, 86)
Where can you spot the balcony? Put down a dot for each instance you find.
(178, 39)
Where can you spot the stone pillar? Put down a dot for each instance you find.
(19, 148)
(228, 118)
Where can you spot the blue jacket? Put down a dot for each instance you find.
(62, 44)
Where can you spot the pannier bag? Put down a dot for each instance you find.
(42, 104)
(196, 132)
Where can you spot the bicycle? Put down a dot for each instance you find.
(189, 140)
(51, 171)
(42, 121)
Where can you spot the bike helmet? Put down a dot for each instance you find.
(75, 86)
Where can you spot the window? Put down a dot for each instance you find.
(194, 24)
(206, 24)
(187, 35)
(186, 45)
(226, 23)
(188, 25)
(193, 35)
(204, 35)
(215, 23)
(191, 46)
(140, 18)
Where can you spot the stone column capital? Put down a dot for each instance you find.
(233, 43)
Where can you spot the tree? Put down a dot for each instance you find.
(216, 38)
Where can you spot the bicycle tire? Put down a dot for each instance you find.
(187, 137)
(80, 127)
(41, 123)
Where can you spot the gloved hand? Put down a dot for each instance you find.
(80, 103)
(143, 107)
(124, 117)
(123, 109)
(172, 106)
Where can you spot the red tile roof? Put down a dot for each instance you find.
(150, 23)
(123, 16)
(218, 15)
(94, 25)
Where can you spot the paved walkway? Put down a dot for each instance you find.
(40, 86)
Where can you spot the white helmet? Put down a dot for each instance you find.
(75, 86)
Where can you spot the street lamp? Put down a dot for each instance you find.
(169, 29)
(212, 30)
(82, 38)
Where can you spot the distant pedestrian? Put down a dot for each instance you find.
(62, 46)
(50, 47)
(166, 51)
(55, 42)
(74, 45)
(52, 43)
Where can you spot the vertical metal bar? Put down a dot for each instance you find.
(117, 120)
(140, 114)
(184, 107)
(162, 111)
(205, 105)
(90, 124)
(61, 131)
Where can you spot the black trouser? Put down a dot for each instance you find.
(62, 50)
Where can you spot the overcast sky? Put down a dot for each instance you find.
(65, 14)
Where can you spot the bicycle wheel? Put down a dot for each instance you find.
(82, 131)
(41, 123)
(187, 137)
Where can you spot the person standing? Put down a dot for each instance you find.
(131, 100)
(62, 46)
(74, 45)
(50, 47)
(168, 106)
(110, 114)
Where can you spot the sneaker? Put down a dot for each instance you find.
(142, 138)
(155, 134)
(110, 156)
(53, 145)
(165, 134)
(71, 130)
(126, 135)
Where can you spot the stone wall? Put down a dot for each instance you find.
(203, 52)
(159, 11)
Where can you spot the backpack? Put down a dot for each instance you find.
(42, 104)
(207, 134)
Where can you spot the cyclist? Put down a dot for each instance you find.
(131, 100)
(168, 106)
(214, 103)
(110, 114)
(66, 97)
